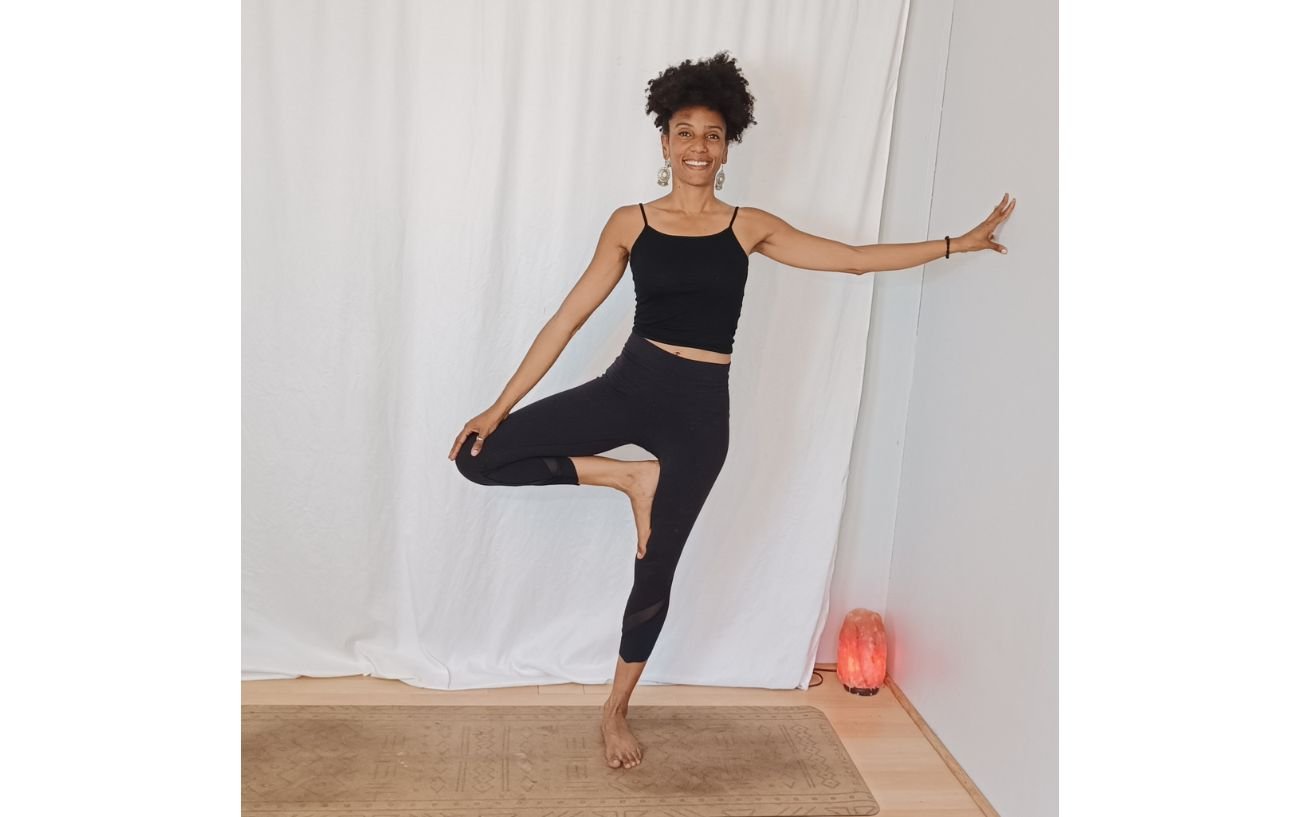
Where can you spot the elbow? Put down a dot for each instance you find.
(860, 265)
(568, 324)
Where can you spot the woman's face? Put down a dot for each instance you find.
(695, 135)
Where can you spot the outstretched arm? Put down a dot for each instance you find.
(795, 248)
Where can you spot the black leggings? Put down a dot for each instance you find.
(676, 408)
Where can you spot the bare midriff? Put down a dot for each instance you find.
(691, 353)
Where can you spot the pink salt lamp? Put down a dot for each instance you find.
(861, 664)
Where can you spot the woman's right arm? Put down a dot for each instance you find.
(591, 290)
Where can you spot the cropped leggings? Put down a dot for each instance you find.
(676, 408)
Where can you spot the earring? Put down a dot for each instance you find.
(663, 174)
(722, 176)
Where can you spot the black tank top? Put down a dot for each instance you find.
(689, 288)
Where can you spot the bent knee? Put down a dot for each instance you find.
(473, 468)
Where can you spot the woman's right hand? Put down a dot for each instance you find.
(484, 424)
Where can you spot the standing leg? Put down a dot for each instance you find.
(685, 480)
(687, 476)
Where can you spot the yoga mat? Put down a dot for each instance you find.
(544, 761)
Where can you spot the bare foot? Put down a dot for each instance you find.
(621, 748)
(641, 490)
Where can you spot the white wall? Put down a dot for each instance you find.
(951, 527)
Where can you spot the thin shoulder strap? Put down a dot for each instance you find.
(733, 215)
(643, 218)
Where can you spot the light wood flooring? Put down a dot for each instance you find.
(905, 766)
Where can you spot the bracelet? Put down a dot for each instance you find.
(947, 245)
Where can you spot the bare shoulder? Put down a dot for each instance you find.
(625, 225)
(627, 214)
(759, 219)
(759, 225)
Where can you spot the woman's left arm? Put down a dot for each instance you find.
(795, 248)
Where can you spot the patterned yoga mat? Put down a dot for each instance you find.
(544, 761)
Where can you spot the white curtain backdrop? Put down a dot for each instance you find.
(423, 182)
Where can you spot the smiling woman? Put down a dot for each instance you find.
(667, 391)
(704, 106)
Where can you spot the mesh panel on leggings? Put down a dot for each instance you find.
(642, 616)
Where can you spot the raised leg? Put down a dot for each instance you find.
(536, 444)
(607, 471)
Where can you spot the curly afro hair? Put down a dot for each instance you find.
(715, 83)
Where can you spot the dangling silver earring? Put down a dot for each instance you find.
(722, 176)
(663, 174)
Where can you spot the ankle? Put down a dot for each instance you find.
(625, 481)
(604, 471)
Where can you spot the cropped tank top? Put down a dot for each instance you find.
(689, 288)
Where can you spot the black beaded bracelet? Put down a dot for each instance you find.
(947, 245)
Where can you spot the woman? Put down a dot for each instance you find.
(667, 391)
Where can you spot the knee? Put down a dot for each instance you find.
(471, 467)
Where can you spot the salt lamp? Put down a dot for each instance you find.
(861, 664)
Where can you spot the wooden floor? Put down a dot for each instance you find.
(905, 772)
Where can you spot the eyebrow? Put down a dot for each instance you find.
(689, 125)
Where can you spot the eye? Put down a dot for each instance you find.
(683, 133)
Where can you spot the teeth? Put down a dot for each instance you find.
(697, 164)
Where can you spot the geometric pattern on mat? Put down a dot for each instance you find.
(544, 761)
